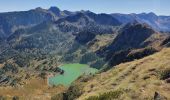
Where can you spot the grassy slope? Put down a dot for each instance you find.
(35, 89)
(139, 79)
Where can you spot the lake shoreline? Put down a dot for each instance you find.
(71, 73)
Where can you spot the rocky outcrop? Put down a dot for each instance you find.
(157, 96)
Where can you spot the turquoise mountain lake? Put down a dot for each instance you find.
(71, 73)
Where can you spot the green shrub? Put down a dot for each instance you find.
(74, 92)
(83, 51)
(57, 97)
(10, 67)
(93, 98)
(15, 98)
(107, 96)
(164, 74)
(2, 98)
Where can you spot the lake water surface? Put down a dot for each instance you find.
(71, 73)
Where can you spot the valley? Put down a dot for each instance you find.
(64, 55)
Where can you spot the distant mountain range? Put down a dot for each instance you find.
(11, 21)
(48, 31)
(159, 23)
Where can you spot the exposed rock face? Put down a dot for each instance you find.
(166, 42)
(168, 80)
(157, 96)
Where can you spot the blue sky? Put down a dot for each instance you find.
(160, 7)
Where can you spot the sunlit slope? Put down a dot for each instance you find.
(137, 80)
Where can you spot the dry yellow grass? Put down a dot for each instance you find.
(1, 65)
(101, 41)
(139, 79)
(35, 89)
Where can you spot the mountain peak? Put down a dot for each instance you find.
(85, 11)
(151, 13)
(137, 23)
(55, 10)
(132, 35)
(39, 9)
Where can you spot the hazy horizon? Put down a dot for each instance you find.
(97, 6)
(82, 10)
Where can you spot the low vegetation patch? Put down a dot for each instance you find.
(164, 74)
(107, 96)
(57, 97)
(15, 98)
(74, 92)
(2, 98)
